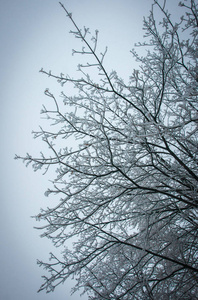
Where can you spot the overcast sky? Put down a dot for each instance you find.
(35, 34)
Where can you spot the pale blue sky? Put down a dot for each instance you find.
(34, 34)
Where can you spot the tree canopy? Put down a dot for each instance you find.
(128, 188)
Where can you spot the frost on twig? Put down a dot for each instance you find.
(127, 187)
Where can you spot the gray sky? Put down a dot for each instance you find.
(34, 34)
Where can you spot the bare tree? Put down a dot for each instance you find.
(128, 189)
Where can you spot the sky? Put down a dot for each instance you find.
(35, 35)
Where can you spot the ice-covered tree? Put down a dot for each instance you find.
(128, 188)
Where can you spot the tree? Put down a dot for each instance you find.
(128, 189)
